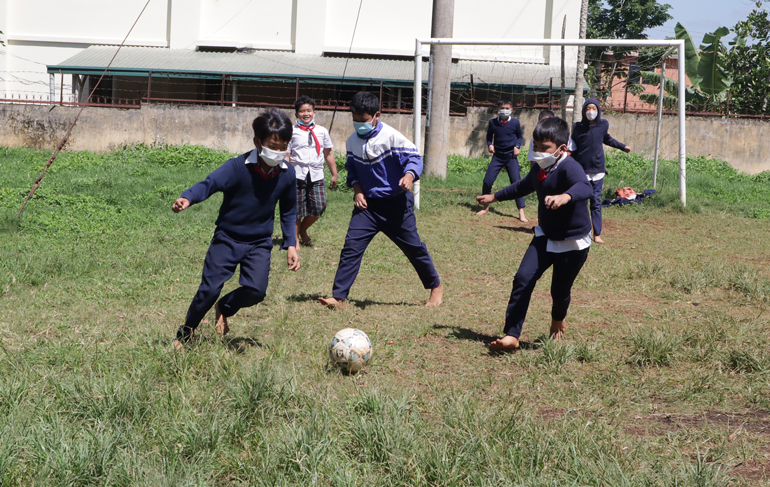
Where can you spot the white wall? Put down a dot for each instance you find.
(41, 32)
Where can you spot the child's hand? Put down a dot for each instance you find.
(292, 258)
(516, 152)
(406, 182)
(626, 149)
(360, 201)
(485, 199)
(333, 182)
(491, 148)
(553, 202)
(180, 204)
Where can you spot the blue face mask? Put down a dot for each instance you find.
(363, 128)
(306, 124)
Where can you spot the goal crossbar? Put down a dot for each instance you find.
(678, 44)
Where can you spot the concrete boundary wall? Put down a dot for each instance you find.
(738, 141)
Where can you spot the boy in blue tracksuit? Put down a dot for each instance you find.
(252, 185)
(382, 164)
(563, 237)
(504, 139)
(589, 134)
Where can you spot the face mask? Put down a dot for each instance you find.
(363, 128)
(545, 159)
(504, 113)
(312, 122)
(592, 115)
(272, 157)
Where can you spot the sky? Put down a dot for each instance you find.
(702, 16)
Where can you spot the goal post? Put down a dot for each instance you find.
(677, 44)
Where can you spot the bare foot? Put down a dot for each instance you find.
(507, 342)
(178, 346)
(332, 302)
(220, 326)
(522, 218)
(436, 296)
(304, 238)
(598, 239)
(557, 329)
(483, 211)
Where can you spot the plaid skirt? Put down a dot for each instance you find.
(311, 198)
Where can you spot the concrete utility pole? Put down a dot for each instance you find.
(437, 124)
(581, 60)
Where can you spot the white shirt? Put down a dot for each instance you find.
(561, 246)
(303, 153)
(595, 176)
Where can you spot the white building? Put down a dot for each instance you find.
(210, 50)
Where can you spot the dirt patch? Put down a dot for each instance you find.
(754, 421)
(549, 414)
(752, 471)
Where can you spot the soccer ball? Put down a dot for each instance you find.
(350, 349)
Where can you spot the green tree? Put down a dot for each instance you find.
(749, 61)
(619, 19)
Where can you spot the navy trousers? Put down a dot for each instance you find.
(536, 261)
(395, 218)
(498, 162)
(223, 256)
(596, 205)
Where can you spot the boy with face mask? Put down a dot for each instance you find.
(589, 134)
(563, 237)
(382, 164)
(504, 138)
(252, 184)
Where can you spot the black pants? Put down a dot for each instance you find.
(395, 218)
(511, 165)
(223, 256)
(536, 261)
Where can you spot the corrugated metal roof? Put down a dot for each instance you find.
(138, 61)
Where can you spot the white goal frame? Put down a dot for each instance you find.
(678, 44)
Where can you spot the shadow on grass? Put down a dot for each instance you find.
(240, 344)
(517, 229)
(358, 303)
(475, 208)
(474, 336)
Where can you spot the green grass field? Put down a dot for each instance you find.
(663, 378)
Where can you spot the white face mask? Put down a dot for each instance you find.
(545, 159)
(592, 115)
(272, 157)
(502, 113)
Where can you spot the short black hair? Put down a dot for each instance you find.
(503, 101)
(554, 129)
(303, 100)
(365, 102)
(272, 121)
(545, 114)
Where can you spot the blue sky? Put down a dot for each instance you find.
(702, 16)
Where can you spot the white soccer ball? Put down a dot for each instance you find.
(350, 349)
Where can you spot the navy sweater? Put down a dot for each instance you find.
(504, 136)
(247, 213)
(589, 139)
(567, 222)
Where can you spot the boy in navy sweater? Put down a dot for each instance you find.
(589, 134)
(382, 164)
(504, 139)
(563, 237)
(252, 185)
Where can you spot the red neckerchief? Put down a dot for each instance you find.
(310, 128)
(257, 167)
(545, 172)
(503, 123)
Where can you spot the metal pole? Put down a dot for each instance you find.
(682, 135)
(61, 90)
(296, 90)
(149, 86)
(660, 121)
(417, 111)
(381, 104)
(625, 97)
(222, 96)
(235, 93)
(563, 74)
(52, 83)
(550, 94)
(472, 93)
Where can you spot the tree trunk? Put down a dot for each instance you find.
(581, 59)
